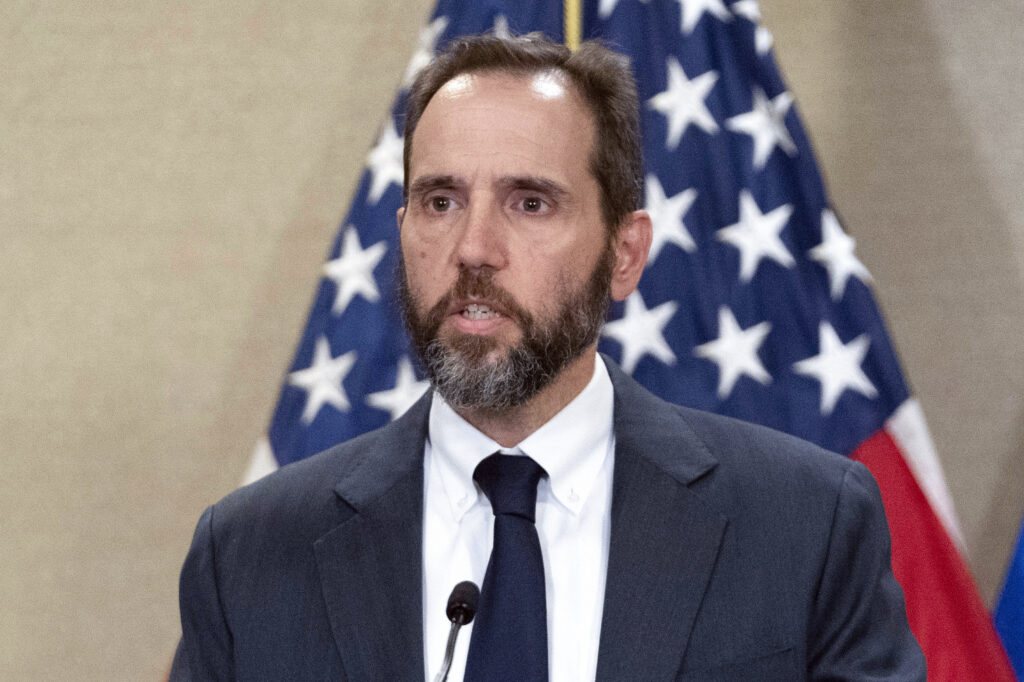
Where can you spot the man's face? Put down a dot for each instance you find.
(506, 259)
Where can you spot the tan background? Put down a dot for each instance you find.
(171, 174)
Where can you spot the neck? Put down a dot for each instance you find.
(510, 427)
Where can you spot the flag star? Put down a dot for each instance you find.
(835, 253)
(763, 40)
(667, 217)
(766, 125)
(642, 332)
(748, 9)
(757, 235)
(407, 391)
(837, 367)
(352, 271)
(385, 161)
(606, 7)
(735, 352)
(682, 102)
(501, 27)
(693, 10)
(751, 11)
(425, 48)
(322, 380)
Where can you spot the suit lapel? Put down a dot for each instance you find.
(664, 539)
(371, 564)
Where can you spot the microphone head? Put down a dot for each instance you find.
(462, 602)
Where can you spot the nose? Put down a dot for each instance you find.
(482, 241)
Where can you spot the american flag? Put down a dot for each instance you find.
(753, 303)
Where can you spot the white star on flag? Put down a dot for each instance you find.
(757, 235)
(425, 48)
(763, 40)
(692, 10)
(606, 7)
(667, 217)
(385, 162)
(501, 27)
(352, 271)
(766, 125)
(407, 391)
(836, 254)
(750, 10)
(642, 332)
(682, 102)
(322, 380)
(735, 352)
(837, 367)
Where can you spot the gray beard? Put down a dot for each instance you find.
(461, 371)
(467, 383)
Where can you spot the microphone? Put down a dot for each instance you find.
(462, 603)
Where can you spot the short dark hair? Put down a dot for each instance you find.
(602, 78)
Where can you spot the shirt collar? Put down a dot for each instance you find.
(571, 446)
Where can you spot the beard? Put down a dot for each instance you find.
(470, 372)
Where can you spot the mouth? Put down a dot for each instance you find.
(476, 316)
(479, 311)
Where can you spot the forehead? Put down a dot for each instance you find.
(550, 84)
(515, 118)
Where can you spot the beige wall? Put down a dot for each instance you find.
(171, 175)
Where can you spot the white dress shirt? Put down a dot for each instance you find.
(576, 448)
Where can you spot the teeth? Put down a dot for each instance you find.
(475, 311)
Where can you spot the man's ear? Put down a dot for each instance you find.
(631, 245)
(399, 214)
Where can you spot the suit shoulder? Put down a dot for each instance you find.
(759, 469)
(304, 495)
(688, 442)
(757, 446)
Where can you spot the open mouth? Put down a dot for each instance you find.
(478, 316)
(479, 311)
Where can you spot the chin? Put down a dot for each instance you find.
(478, 348)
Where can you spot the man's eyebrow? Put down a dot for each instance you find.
(533, 183)
(428, 183)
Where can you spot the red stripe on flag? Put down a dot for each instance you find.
(945, 610)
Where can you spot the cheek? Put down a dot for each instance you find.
(567, 265)
(422, 271)
(427, 247)
(540, 287)
(414, 250)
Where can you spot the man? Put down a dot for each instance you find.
(664, 544)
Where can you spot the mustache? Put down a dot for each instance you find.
(477, 284)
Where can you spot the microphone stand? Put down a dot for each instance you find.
(461, 608)
(449, 651)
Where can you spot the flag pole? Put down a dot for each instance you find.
(573, 24)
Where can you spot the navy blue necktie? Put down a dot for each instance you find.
(510, 636)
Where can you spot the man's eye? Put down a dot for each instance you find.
(533, 205)
(440, 204)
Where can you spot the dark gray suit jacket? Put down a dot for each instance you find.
(737, 553)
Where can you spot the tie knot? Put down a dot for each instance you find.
(510, 483)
